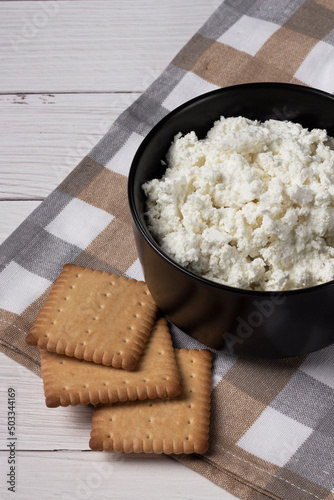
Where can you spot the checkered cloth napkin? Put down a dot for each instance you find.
(272, 423)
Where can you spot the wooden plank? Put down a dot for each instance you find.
(93, 45)
(44, 136)
(99, 47)
(98, 475)
(12, 213)
(54, 460)
(70, 426)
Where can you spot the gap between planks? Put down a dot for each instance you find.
(83, 92)
(54, 132)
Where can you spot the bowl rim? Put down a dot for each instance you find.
(147, 235)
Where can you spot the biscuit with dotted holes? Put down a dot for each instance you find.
(96, 316)
(70, 381)
(179, 425)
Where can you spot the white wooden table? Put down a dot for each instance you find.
(67, 70)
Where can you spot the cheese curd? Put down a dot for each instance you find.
(250, 206)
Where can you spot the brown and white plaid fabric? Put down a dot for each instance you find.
(272, 420)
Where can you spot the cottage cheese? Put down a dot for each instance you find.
(250, 206)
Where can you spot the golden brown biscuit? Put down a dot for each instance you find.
(69, 381)
(179, 425)
(96, 316)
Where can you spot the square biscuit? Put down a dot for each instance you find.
(96, 316)
(179, 425)
(70, 381)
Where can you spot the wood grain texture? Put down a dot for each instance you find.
(93, 46)
(65, 77)
(93, 475)
(39, 427)
(44, 136)
(53, 444)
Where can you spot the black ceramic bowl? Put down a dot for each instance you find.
(240, 321)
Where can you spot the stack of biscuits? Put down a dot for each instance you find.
(103, 343)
